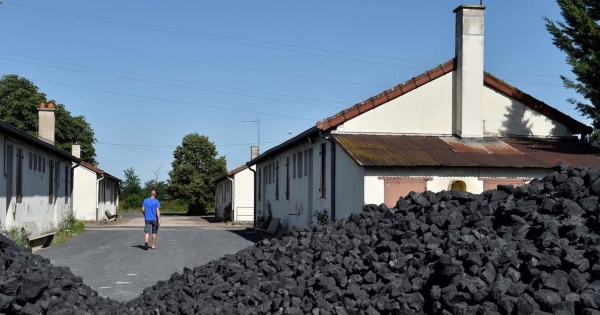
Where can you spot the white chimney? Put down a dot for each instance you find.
(253, 152)
(76, 150)
(468, 111)
(46, 122)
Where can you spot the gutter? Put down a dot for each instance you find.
(333, 167)
(254, 195)
(232, 196)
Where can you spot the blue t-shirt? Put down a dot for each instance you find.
(150, 205)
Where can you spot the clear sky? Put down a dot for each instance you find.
(150, 72)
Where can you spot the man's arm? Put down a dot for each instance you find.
(158, 215)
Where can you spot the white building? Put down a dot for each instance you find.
(95, 192)
(236, 187)
(37, 183)
(453, 127)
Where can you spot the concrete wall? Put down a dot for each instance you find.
(426, 110)
(503, 116)
(84, 194)
(35, 205)
(442, 178)
(243, 194)
(305, 197)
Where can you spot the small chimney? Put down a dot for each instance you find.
(76, 150)
(46, 122)
(253, 152)
(468, 113)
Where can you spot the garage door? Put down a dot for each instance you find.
(400, 187)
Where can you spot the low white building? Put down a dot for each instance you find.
(453, 127)
(37, 183)
(95, 192)
(236, 188)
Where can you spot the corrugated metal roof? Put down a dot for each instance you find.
(394, 150)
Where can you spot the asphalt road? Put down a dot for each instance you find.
(114, 263)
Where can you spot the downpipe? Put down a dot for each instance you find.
(254, 195)
(333, 167)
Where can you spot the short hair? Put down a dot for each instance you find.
(153, 193)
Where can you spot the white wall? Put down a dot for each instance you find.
(35, 206)
(442, 178)
(222, 196)
(425, 110)
(305, 197)
(84, 194)
(243, 193)
(503, 116)
(350, 185)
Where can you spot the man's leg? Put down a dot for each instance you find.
(147, 228)
(154, 231)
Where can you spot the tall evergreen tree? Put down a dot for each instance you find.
(579, 37)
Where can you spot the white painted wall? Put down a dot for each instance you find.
(442, 178)
(222, 196)
(350, 185)
(305, 197)
(84, 193)
(503, 116)
(425, 110)
(35, 206)
(243, 194)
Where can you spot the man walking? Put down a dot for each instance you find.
(151, 211)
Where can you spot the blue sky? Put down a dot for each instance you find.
(220, 63)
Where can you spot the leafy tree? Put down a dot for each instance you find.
(131, 190)
(579, 37)
(19, 100)
(594, 138)
(194, 168)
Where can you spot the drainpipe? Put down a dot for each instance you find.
(73, 166)
(98, 194)
(333, 167)
(232, 196)
(254, 194)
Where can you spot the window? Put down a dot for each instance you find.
(259, 184)
(44, 165)
(306, 163)
(299, 164)
(39, 163)
(66, 185)
(30, 160)
(287, 179)
(323, 165)
(57, 175)
(294, 165)
(458, 185)
(35, 163)
(51, 182)
(277, 180)
(396, 187)
(20, 158)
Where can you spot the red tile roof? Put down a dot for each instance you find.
(231, 173)
(420, 80)
(396, 150)
(97, 170)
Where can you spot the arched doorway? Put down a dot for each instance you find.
(458, 185)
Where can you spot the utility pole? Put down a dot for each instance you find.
(257, 124)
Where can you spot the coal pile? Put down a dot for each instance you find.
(30, 285)
(533, 249)
(530, 250)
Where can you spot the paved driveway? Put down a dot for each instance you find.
(111, 260)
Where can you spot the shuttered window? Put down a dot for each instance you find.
(396, 187)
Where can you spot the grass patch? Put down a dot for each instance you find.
(67, 229)
(16, 236)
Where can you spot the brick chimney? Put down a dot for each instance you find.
(76, 150)
(46, 122)
(468, 93)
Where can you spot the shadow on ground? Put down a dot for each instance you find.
(247, 234)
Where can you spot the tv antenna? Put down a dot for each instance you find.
(257, 124)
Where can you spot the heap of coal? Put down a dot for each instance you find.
(533, 249)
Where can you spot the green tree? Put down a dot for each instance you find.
(19, 100)
(194, 168)
(131, 190)
(579, 37)
(160, 187)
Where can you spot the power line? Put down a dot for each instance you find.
(172, 146)
(178, 32)
(154, 28)
(173, 101)
(167, 84)
(188, 59)
(171, 79)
